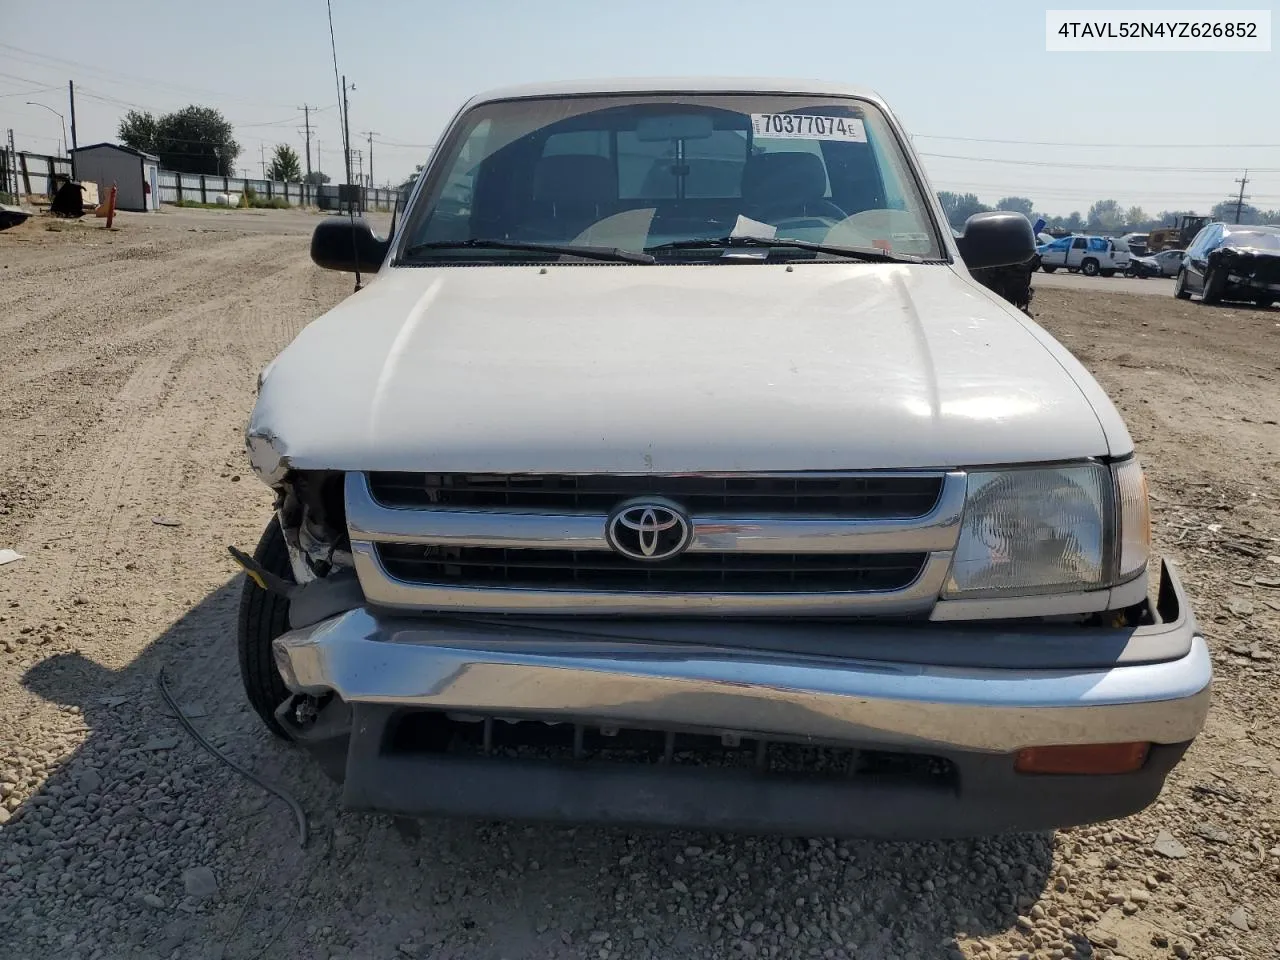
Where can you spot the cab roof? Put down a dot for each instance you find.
(668, 85)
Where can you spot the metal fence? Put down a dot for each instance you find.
(33, 175)
(201, 188)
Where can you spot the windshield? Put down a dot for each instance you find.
(642, 172)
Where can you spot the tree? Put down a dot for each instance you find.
(1226, 210)
(1105, 215)
(316, 178)
(959, 207)
(1074, 222)
(1020, 205)
(1136, 218)
(138, 130)
(284, 164)
(195, 140)
(410, 180)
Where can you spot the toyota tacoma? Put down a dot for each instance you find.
(670, 467)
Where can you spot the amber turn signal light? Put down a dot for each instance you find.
(1093, 758)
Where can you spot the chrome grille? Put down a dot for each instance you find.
(759, 545)
(865, 496)
(690, 573)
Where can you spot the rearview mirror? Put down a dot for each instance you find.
(674, 126)
(340, 243)
(997, 239)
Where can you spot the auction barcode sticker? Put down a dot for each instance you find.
(766, 126)
(1139, 31)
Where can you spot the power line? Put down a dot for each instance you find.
(1125, 146)
(28, 93)
(119, 78)
(1143, 168)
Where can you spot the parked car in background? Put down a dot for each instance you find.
(1088, 255)
(1166, 263)
(1137, 243)
(1232, 262)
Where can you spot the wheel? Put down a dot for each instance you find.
(1089, 267)
(1046, 268)
(1180, 286)
(1212, 292)
(1107, 273)
(263, 617)
(1265, 302)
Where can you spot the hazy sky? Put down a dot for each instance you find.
(968, 79)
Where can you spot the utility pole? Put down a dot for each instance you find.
(306, 119)
(346, 126)
(262, 158)
(11, 162)
(71, 91)
(371, 135)
(1241, 198)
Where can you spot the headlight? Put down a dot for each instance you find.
(1051, 530)
(1134, 514)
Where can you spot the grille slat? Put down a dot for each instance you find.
(689, 573)
(854, 497)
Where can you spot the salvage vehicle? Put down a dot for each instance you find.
(1178, 235)
(685, 476)
(1088, 255)
(1230, 261)
(1167, 263)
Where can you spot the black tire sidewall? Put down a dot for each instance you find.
(1180, 285)
(262, 617)
(1211, 293)
(1090, 268)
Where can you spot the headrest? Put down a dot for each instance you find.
(792, 176)
(575, 177)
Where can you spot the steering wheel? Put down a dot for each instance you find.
(814, 208)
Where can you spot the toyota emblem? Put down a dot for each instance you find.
(649, 530)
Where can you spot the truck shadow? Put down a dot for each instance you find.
(110, 832)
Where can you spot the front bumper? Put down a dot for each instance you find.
(985, 695)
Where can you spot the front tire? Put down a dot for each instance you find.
(263, 617)
(1180, 286)
(1213, 280)
(1046, 268)
(1089, 268)
(1265, 302)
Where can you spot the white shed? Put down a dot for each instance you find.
(135, 174)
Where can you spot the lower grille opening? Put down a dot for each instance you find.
(688, 573)
(427, 731)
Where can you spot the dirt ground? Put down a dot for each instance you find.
(127, 368)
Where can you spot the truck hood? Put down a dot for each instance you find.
(636, 369)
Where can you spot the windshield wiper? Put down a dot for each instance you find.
(866, 254)
(614, 254)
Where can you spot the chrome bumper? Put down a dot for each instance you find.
(505, 670)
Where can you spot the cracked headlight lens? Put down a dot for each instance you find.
(1035, 530)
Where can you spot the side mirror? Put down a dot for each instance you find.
(342, 244)
(998, 239)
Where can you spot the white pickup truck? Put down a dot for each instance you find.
(672, 468)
